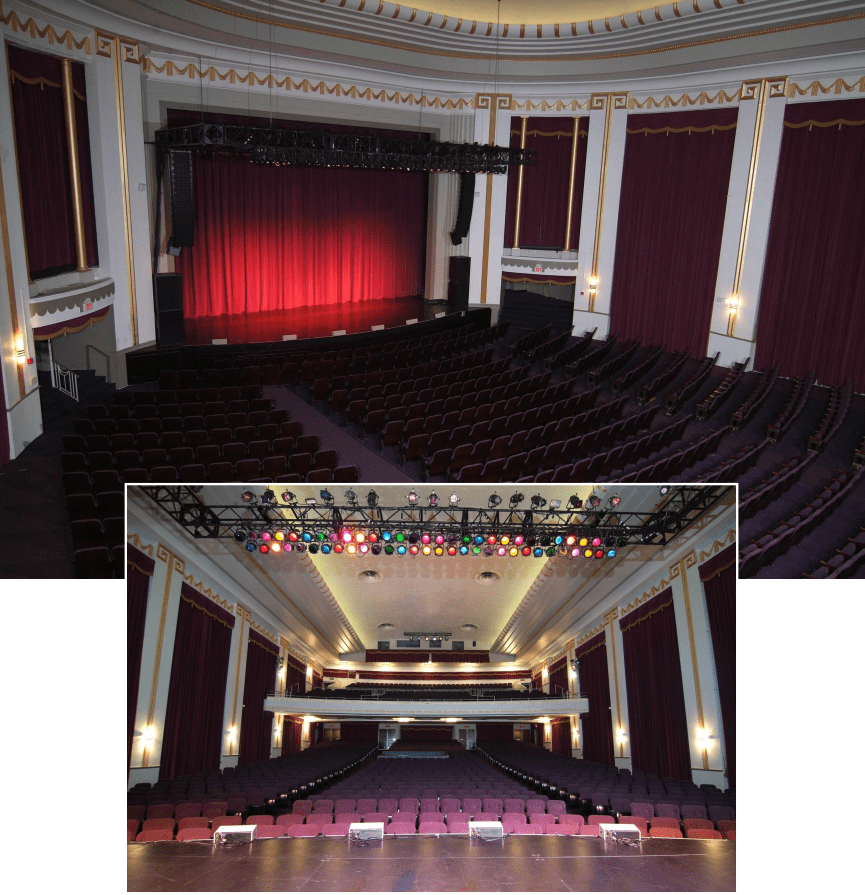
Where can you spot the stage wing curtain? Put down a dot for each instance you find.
(260, 677)
(359, 730)
(192, 739)
(292, 729)
(274, 239)
(559, 677)
(719, 583)
(595, 686)
(671, 216)
(490, 730)
(139, 570)
(43, 163)
(656, 701)
(544, 207)
(561, 731)
(812, 300)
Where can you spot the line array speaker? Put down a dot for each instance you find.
(182, 198)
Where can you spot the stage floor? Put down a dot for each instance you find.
(309, 322)
(434, 864)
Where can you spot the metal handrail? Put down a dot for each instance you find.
(64, 380)
(284, 694)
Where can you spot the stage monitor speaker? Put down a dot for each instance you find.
(459, 276)
(169, 309)
(182, 198)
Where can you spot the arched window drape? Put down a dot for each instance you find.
(594, 684)
(255, 723)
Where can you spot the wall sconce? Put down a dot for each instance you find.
(21, 352)
(704, 738)
(732, 309)
(232, 734)
(149, 736)
(621, 736)
(544, 672)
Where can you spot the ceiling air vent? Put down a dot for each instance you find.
(488, 577)
(369, 576)
(386, 626)
(468, 627)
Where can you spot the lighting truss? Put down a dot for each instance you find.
(272, 526)
(280, 146)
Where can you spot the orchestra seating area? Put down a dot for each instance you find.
(505, 782)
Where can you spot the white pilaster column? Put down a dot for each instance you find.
(234, 685)
(618, 691)
(746, 223)
(22, 408)
(605, 154)
(160, 627)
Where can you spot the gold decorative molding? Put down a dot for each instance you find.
(544, 105)
(583, 638)
(718, 546)
(685, 100)
(115, 46)
(251, 79)
(49, 33)
(571, 644)
(817, 88)
(647, 595)
(273, 638)
(139, 544)
(207, 592)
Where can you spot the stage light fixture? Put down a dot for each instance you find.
(464, 550)
(388, 549)
(599, 554)
(452, 550)
(588, 552)
(555, 504)
(326, 496)
(575, 551)
(514, 551)
(439, 551)
(264, 548)
(574, 502)
(596, 542)
(400, 537)
(300, 547)
(267, 496)
(433, 499)
(279, 534)
(325, 548)
(439, 538)
(413, 549)
(501, 550)
(412, 498)
(494, 501)
(351, 497)
(240, 535)
(426, 550)
(310, 501)
(293, 536)
(665, 490)
(306, 537)
(266, 535)
(351, 548)
(538, 551)
(611, 552)
(516, 499)
(287, 547)
(615, 500)
(372, 499)
(454, 499)
(250, 546)
(527, 551)
(518, 540)
(363, 548)
(538, 502)
(594, 501)
(289, 498)
(247, 497)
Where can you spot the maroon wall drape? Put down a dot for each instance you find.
(295, 675)
(5, 448)
(139, 570)
(291, 735)
(255, 723)
(491, 730)
(544, 209)
(719, 583)
(425, 733)
(359, 730)
(595, 686)
(561, 732)
(537, 682)
(192, 739)
(43, 166)
(671, 216)
(656, 700)
(559, 677)
(812, 300)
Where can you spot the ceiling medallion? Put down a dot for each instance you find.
(468, 627)
(369, 576)
(488, 577)
(386, 626)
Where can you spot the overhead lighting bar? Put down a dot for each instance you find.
(326, 149)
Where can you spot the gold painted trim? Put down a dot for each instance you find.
(546, 106)
(10, 287)
(29, 27)
(575, 141)
(172, 565)
(583, 638)
(607, 25)
(640, 17)
(523, 124)
(413, 16)
(685, 100)
(718, 546)
(472, 29)
(444, 22)
(591, 26)
(624, 23)
(647, 595)
(74, 167)
(506, 29)
(362, 5)
(396, 11)
(682, 130)
(429, 19)
(47, 82)
(676, 12)
(815, 88)
(680, 570)
(658, 14)
(206, 592)
(836, 123)
(522, 30)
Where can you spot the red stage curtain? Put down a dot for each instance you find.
(192, 739)
(595, 686)
(490, 730)
(656, 701)
(671, 215)
(359, 730)
(43, 164)
(812, 300)
(273, 239)
(543, 214)
(291, 733)
(719, 582)
(559, 677)
(561, 732)
(139, 570)
(255, 723)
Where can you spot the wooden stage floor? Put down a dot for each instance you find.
(434, 864)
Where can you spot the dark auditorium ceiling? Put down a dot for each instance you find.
(529, 611)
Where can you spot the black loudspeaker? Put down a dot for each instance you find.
(182, 198)
(464, 209)
(459, 275)
(169, 309)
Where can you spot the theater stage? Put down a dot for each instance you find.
(434, 864)
(309, 322)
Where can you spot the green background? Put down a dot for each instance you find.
(64, 752)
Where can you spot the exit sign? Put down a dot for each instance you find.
(539, 269)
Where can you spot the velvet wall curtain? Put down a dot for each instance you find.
(425, 733)
(595, 686)
(291, 733)
(273, 239)
(544, 208)
(561, 731)
(812, 300)
(260, 677)
(43, 165)
(139, 570)
(671, 216)
(656, 701)
(559, 677)
(295, 675)
(192, 739)
(719, 583)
